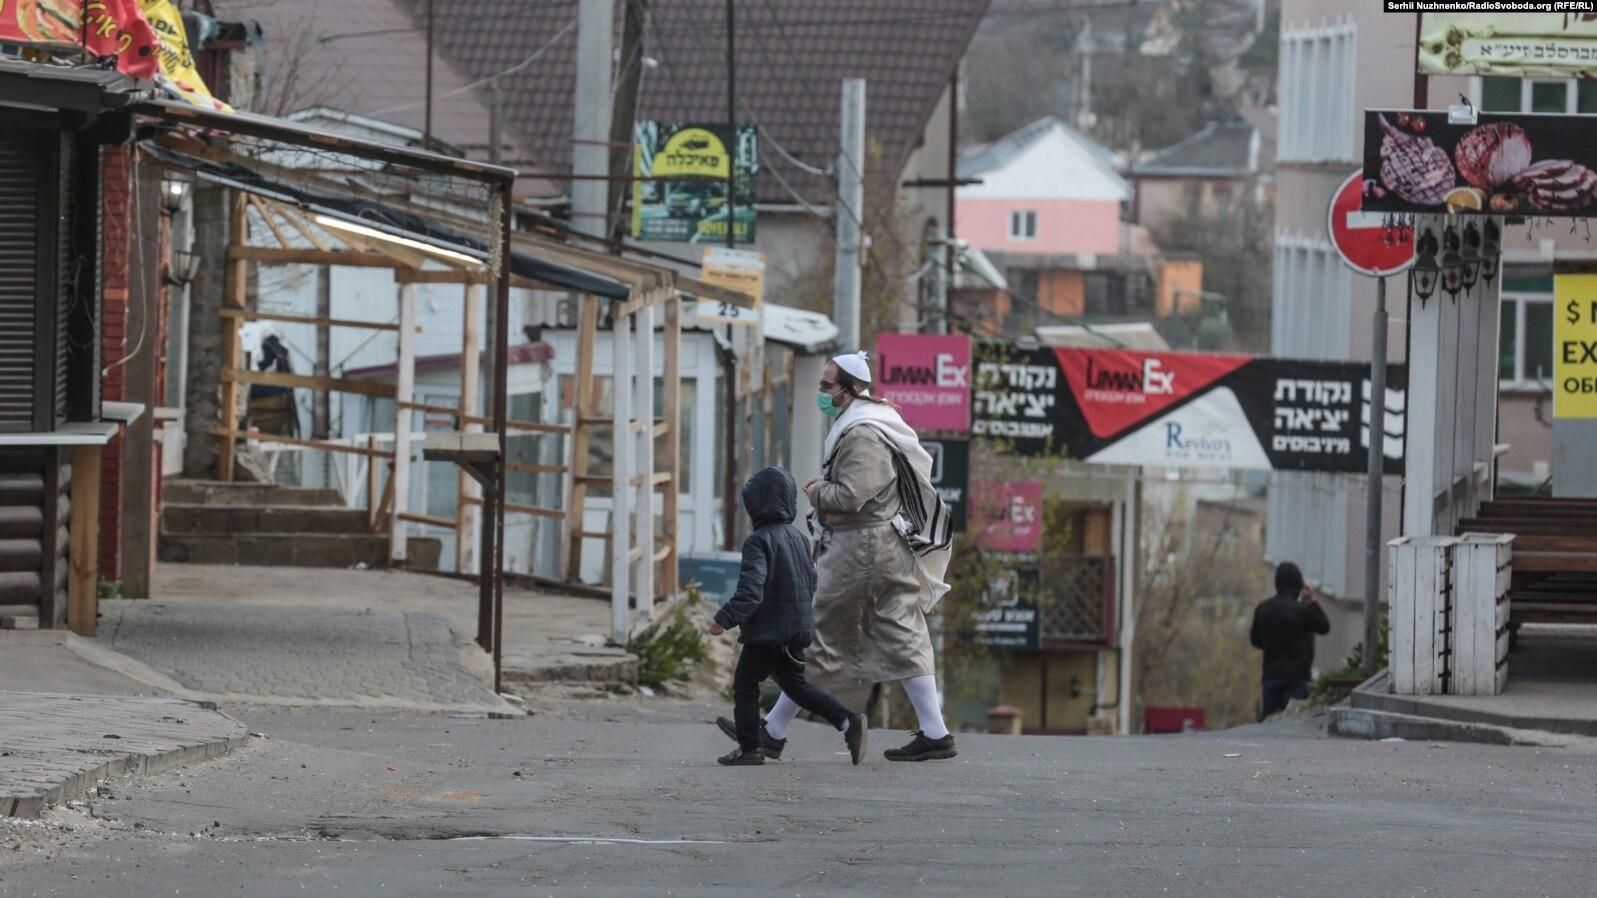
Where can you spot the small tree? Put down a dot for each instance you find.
(1196, 591)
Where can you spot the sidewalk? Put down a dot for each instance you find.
(54, 747)
(204, 616)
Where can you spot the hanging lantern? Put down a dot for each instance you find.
(1491, 250)
(1452, 263)
(1425, 272)
(1471, 255)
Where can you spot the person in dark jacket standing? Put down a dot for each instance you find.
(772, 606)
(1284, 626)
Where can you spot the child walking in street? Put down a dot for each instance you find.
(772, 605)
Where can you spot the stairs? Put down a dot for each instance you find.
(1554, 561)
(204, 522)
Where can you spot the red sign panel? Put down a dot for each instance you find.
(1118, 388)
(928, 377)
(1364, 239)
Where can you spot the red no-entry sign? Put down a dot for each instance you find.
(1364, 240)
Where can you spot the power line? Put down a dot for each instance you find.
(531, 58)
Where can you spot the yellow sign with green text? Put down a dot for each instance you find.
(1575, 346)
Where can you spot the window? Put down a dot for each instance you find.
(1023, 224)
(1525, 337)
(1546, 95)
(524, 447)
(1318, 72)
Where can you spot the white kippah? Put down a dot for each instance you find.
(856, 364)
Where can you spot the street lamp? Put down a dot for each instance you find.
(1425, 271)
(1471, 255)
(1491, 250)
(1452, 264)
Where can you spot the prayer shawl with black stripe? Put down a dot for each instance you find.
(923, 519)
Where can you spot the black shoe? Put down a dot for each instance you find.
(737, 757)
(855, 737)
(771, 747)
(923, 749)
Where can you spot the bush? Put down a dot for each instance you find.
(669, 651)
(1353, 667)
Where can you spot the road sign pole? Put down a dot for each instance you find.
(1377, 461)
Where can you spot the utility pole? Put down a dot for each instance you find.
(623, 113)
(729, 504)
(427, 126)
(1376, 482)
(732, 124)
(937, 280)
(590, 151)
(850, 214)
(496, 119)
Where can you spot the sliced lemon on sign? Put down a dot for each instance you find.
(1461, 199)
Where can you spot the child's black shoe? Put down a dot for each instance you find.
(855, 737)
(771, 746)
(737, 757)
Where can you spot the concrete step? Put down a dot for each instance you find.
(341, 550)
(242, 519)
(211, 492)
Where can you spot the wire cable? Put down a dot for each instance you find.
(531, 58)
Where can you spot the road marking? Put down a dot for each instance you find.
(587, 840)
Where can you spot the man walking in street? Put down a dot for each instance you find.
(1284, 626)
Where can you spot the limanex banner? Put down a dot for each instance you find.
(1185, 410)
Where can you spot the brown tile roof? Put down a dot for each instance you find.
(792, 57)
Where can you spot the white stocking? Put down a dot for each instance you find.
(776, 722)
(922, 692)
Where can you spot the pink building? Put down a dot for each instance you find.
(1046, 189)
(1051, 214)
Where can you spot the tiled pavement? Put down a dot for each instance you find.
(53, 747)
(280, 654)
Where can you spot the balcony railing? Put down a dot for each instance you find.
(1077, 599)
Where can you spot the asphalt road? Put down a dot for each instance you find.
(610, 799)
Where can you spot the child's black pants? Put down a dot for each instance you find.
(786, 665)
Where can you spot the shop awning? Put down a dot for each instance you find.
(386, 218)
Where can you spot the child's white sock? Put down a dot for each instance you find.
(922, 692)
(781, 716)
(846, 723)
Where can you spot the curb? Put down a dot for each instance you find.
(1363, 723)
(611, 670)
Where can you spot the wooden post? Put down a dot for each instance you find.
(404, 392)
(582, 400)
(234, 292)
(468, 513)
(371, 483)
(644, 441)
(672, 463)
(83, 590)
(621, 478)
